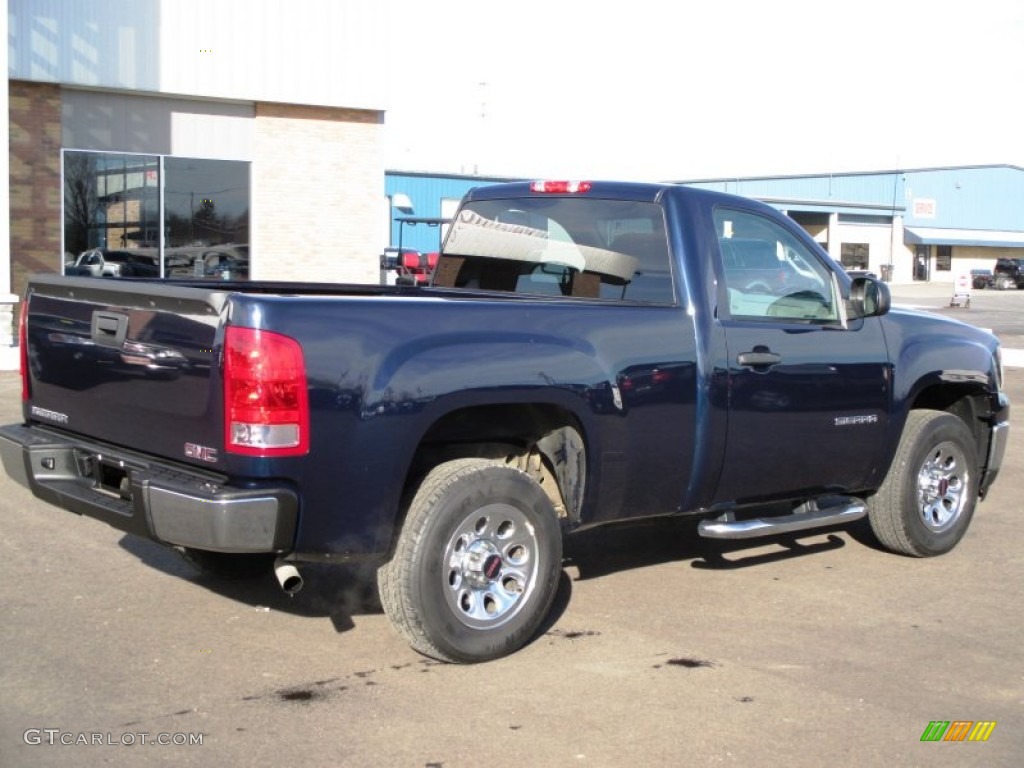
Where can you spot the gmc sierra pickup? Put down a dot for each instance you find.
(586, 353)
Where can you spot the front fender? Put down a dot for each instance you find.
(947, 365)
(933, 351)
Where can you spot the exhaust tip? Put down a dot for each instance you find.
(288, 577)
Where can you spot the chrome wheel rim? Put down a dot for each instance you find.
(490, 566)
(942, 485)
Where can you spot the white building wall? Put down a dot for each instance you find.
(878, 239)
(96, 43)
(902, 259)
(323, 52)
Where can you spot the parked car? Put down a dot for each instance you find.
(227, 264)
(981, 278)
(98, 262)
(1009, 273)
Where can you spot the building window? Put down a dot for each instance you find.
(854, 255)
(922, 262)
(856, 218)
(944, 258)
(147, 215)
(110, 201)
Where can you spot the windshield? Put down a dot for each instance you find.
(580, 247)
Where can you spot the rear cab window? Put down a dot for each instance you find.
(560, 246)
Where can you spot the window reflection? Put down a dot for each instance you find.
(111, 201)
(112, 216)
(206, 213)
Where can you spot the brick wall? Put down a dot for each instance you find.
(317, 194)
(35, 140)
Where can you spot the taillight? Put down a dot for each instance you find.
(26, 391)
(560, 187)
(266, 404)
(659, 376)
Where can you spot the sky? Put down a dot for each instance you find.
(663, 90)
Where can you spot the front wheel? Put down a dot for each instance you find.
(926, 502)
(476, 566)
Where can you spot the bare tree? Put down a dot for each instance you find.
(81, 204)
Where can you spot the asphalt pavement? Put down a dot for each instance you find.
(663, 650)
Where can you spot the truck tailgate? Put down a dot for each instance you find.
(125, 362)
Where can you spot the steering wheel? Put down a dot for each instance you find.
(808, 305)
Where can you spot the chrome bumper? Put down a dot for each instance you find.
(1000, 435)
(153, 499)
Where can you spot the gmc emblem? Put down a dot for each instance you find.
(200, 452)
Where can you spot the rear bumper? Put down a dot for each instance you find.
(159, 501)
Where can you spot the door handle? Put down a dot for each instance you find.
(758, 358)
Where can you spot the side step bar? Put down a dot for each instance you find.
(839, 510)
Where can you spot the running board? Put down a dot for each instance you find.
(843, 509)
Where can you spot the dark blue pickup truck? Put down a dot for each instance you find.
(586, 353)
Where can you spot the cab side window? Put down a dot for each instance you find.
(769, 274)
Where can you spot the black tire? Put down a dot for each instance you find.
(229, 567)
(926, 502)
(476, 565)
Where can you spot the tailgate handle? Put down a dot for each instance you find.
(109, 328)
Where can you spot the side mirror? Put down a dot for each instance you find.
(869, 297)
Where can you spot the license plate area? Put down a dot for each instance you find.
(109, 476)
(114, 479)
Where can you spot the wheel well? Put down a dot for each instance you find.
(970, 405)
(545, 441)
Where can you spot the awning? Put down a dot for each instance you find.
(991, 238)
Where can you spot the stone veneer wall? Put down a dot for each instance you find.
(317, 194)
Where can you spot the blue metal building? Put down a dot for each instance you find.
(425, 195)
(921, 224)
(929, 224)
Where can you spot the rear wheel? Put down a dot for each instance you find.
(927, 500)
(476, 566)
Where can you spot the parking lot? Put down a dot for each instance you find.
(663, 650)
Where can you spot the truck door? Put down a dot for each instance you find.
(807, 392)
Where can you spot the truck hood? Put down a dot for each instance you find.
(913, 317)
